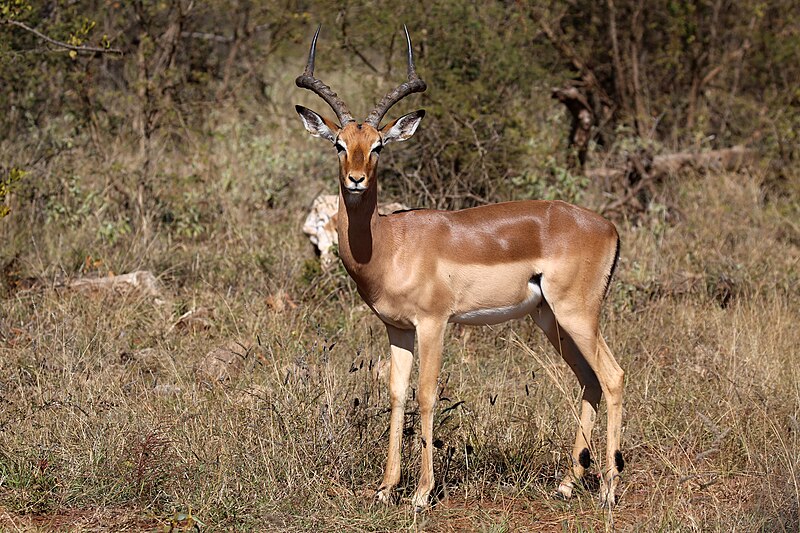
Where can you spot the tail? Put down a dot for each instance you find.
(613, 268)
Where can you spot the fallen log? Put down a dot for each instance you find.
(140, 282)
(641, 171)
(725, 159)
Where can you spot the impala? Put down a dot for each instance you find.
(420, 270)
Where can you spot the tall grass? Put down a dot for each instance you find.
(107, 422)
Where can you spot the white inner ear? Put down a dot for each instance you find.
(316, 127)
(403, 129)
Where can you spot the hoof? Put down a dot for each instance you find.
(607, 501)
(607, 497)
(383, 496)
(419, 502)
(564, 491)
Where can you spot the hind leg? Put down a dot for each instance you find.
(592, 392)
(583, 329)
(614, 375)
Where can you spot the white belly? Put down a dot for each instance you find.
(496, 315)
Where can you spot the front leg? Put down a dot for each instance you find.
(431, 337)
(402, 349)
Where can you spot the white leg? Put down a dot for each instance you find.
(431, 337)
(402, 348)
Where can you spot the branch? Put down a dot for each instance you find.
(350, 46)
(91, 49)
(567, 51)
(206, 36)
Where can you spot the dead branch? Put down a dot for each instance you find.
(205, 36)
(61, 44)
(582, 119)
(566, 50)
(225, 39)
(725, 159)
(641, 172)
(141, 282)
(348, 44)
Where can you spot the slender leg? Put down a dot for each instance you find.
(402, 348)
(590, 400)
(613, 376)
(431, 337)
(583, 330)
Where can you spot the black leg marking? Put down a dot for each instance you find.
(620, 462)
(584, 459)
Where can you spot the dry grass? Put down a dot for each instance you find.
(107, 422)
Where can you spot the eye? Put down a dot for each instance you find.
(340, 147)
(377, 149)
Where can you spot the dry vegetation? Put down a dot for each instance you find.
(106, 414)
(112, 416)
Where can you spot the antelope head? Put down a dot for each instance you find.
(359, 144)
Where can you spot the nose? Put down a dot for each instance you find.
(356, 180)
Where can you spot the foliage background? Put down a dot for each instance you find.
(183, 156)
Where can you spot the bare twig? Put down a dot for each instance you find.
(205, 36)
(61, 44)
(616, 204)
(350, 46)
(568, 52)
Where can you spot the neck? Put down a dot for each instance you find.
(357, 226)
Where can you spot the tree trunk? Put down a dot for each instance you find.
(619, 72)
(582, 121)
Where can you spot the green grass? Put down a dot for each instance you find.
(106, 422)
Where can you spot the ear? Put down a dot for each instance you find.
(402, 128)
(316, 125)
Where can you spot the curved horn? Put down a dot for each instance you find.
(308, 81)
(413, 85)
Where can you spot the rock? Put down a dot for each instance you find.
(279, 301)
(223, 363)
(321, 224)
(142, 282)
(197, 319)
(166, 389)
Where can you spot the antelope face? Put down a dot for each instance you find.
(359, 145)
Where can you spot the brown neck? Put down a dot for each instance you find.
(358, 227)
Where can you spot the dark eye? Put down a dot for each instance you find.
(377, 149)
(340, 147)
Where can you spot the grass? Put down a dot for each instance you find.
(107, 423)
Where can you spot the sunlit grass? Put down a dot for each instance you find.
(106, 419)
